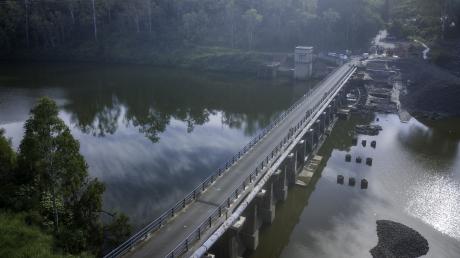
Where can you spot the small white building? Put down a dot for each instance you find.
(303, 58)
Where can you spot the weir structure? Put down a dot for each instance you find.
(224, 213)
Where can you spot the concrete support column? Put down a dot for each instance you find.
(343, 98)
(229, 246)
(281, 188)
(309, 141)
(323, 122)
(317, 133)
(249, 233)
(330, 114)
(327, 117)
(266, 203)
(300, 155)
(290, 169)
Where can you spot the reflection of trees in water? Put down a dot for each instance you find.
(99, 98)
(150, 125)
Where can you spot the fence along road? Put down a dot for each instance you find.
(190, 213)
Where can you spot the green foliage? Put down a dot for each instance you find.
(18, 239)
(66, 28)
(52, 184)
(7, 168)
(430, 20)
(119, 230)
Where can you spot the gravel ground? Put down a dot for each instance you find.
(398, 241)
(434, 92)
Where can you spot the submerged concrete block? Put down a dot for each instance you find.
(364, 184)
(348, 158)
(351, 181)
(340, 179)
(369, 161)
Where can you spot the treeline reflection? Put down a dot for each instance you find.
(101, 99)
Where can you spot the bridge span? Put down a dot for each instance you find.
(232, 203)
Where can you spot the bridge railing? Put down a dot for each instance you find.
(192, 196)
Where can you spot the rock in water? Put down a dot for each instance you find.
(398, 241)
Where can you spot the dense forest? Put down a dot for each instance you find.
(430, 20)
(266, 25)
(123, 28)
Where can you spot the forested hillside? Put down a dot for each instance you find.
(265, 25)
(431, 20)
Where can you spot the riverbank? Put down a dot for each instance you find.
(193, 57)
(429, 76)
(432, 91)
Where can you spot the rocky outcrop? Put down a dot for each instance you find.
(398, 241)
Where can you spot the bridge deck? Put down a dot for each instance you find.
(168, 237)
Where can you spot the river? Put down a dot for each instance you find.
(414, 180)
(150, 134)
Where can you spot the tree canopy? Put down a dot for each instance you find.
(51, 186)
(247, 24)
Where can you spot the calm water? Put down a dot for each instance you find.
(151, 135)
(415, 180)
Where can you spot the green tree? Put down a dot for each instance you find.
(17, 239)
(56, 174)
(118, 230)
(7, 168)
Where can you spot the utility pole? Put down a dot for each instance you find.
(94, 20)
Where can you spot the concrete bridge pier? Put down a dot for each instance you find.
(300, 156)
(316, 132)
(290, 165)
(309, 141)
(249, 233)
(266, 203)
(281, 188)
(335, 106)
(342, 98)
(326, 118)
(323, 122)
(330, 113)
(229, 245)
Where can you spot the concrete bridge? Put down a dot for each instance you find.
(225, 212)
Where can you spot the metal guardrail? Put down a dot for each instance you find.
(183, 247)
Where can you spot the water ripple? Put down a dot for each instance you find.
(436, 201)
